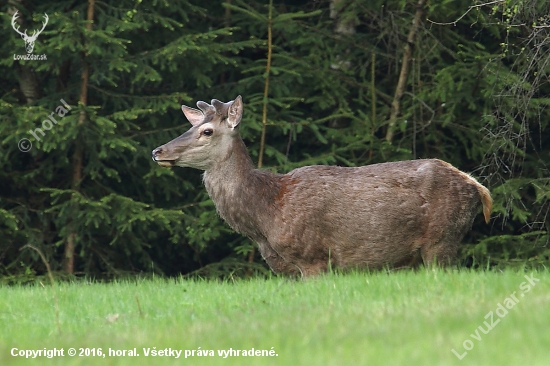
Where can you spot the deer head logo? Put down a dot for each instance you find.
(29, 40)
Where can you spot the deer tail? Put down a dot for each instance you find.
(486, 200)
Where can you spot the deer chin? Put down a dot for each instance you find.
(166, 163)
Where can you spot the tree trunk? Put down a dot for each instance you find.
(79, 151)
(28, 81)
(342, 28)
(405, 68)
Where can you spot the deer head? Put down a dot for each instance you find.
(208, 141)
(29, 40)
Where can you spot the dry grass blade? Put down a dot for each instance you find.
(56, 301)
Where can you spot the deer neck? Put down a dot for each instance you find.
(244, 197)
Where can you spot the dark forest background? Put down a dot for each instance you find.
(325, 82)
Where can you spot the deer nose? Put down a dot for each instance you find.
(156, 153)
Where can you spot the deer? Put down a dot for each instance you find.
(317, 218)
(29, 40)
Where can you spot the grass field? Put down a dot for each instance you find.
(400, 318)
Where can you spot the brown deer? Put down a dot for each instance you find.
(376, 216)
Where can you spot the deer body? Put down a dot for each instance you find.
(391, 214)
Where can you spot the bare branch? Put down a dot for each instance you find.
(467, 11)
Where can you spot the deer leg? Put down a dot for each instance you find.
(313, 269)
(276, 262)
(412, 261)
(442, 254)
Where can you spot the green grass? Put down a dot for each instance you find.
(401, 318)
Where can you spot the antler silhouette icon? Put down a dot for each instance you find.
(29, 40)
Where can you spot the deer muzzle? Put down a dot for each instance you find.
(157, 157)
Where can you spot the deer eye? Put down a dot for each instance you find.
(208, 132)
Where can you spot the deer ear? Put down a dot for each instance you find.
(193, 115)
(235, 112)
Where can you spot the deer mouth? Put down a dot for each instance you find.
(166, 163)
